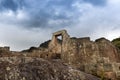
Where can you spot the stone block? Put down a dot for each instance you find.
(108, 67)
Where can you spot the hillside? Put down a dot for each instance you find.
(63, 59)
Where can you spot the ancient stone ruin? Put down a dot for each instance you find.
(100, 57)
(59, 47)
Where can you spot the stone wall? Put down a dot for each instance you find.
(6, 48)
(98, 57)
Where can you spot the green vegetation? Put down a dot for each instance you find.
(116, 42)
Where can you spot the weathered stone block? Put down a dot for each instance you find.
(107, 67)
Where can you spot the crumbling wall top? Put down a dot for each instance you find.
(6, 48)
(102, 40)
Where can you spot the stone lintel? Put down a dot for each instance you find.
(58, 33)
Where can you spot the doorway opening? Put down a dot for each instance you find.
(59, 39)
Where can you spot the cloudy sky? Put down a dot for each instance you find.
(25, 23)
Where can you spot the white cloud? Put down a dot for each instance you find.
(11, 17)
(18, 38)
(114, 2)
(98, 21)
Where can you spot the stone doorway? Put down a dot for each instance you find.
(59, 39)
(58, 44)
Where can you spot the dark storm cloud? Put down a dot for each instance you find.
(96, 2)
(42, 12)
(11, 4)
(66, 4)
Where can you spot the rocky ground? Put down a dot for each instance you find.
(27, 68)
